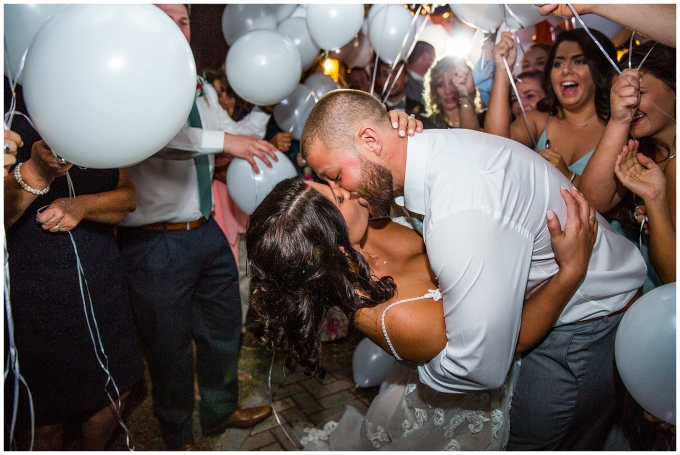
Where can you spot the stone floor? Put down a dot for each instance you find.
(299, 401)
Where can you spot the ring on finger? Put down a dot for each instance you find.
(591, 217)
(6, 147)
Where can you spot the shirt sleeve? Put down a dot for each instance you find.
(253, 124)
(482, 265)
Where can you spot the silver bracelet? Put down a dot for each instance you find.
(573, 176)
(20, 181)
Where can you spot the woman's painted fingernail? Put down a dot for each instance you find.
(550, 214)
(395, 125)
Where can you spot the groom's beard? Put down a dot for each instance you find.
(376, 187)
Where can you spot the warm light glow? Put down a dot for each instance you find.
(458, 46)
(533, 37)
(331, 67)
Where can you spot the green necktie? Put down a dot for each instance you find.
(202, 170)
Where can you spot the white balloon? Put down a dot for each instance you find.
(320, 84)
(437, 36)
(370, 364)
(486, 17)
(373, 11)
(263, 67)
(237, 20)
(295, 28)
(357, 52)
(292, 112)
(283, 11)
(387, 32)
(21, 23)
(107, 86)
(592, 21)
(248, 189)
(645, 351)
(333, 26)
(526, 13)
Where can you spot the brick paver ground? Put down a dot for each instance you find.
(299, 401)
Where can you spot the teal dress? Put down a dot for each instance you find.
(576, 167)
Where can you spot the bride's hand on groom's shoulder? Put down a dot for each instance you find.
(405, 124)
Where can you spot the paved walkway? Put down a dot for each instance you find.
(301, 400)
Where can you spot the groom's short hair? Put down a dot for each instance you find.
(335, 118)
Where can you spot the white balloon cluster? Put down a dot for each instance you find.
(270, 45)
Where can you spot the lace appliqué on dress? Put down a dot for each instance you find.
(496, 422)
(452, 446)
(408, 427)
(316, 435)
(438, 417)
(409, 389)
(379, 436)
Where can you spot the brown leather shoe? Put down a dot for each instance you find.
(242, 418)
(187, 446)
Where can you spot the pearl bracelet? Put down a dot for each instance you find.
(24, 185)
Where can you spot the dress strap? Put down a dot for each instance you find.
(434, 294)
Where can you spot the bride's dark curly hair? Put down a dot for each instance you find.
(302, 263)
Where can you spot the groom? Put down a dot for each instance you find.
(484, 201)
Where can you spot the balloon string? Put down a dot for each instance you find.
(375, 71)
(576, 15)
(610, 59)
(630, 49)
(93, 328)
(13, 361)
(513, 15)
(474, 38)
(519, 100)
(383, 92)
(413, 44)
(271, 398)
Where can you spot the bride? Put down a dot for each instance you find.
(311, 248)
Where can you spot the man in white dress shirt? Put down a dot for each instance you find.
(181, 273)
(484, 201)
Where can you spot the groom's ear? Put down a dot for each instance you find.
(369, 140)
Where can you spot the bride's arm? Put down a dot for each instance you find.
(572, 248)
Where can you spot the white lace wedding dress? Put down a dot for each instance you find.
(408, 415)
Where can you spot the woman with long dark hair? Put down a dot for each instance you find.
(311, 248)
(570, 119)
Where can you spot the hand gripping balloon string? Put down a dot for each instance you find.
(13, 361)
(576, 15)
(519, 100)
(93, 328)
(271, 398)
(611, 61)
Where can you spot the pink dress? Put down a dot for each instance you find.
(231, 219)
